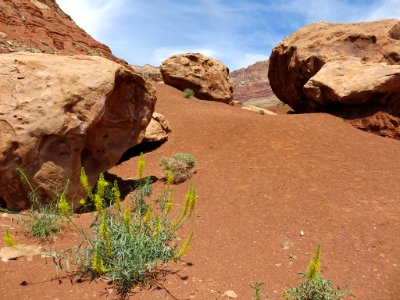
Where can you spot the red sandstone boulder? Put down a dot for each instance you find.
(207, 77)
(58, 113)
(350, 70)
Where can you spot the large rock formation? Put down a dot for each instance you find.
(351, 70)
(41, 26)
(58, 113)
(251, 85)
(207, 77)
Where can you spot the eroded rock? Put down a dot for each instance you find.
(207, 77)
(350, 70)
(58, 113)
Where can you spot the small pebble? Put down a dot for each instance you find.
(301, 232)
(230, 294)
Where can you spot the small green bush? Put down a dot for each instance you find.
(314, 285)
(188, 93)
(180, 165)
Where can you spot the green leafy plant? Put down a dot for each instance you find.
(128, 245)
(45, 220)
(259, 292)
(314, 285)
(180, 166)
(188, 93)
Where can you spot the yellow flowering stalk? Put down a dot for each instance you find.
(170, 177)
(186, 212)
(116, 195)
(185, 247)
(8, 239)
(101, 185)
(127, 217)
(157, 228)
(85, 183)
(103, 230)
(168, 205)
(315, 265)
(98, 203)
(140, 167)
(82, 202)
(97, 261)
(63, 206)
(147, 216)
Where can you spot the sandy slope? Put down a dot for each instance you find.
(261, 180)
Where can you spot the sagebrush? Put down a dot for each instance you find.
(181, 165)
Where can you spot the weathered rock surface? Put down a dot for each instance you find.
(207, 77)
(251, 84)
(350, 70)
(157, 130)
(41, 26)
(58, 113)
(149, 72)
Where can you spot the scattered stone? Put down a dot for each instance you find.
(301, 232)
(18, 251)
(157, 130)
(230, 294)
(259, 110)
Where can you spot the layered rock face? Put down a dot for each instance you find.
(41, 26)
(351, 70)
(149, 72)
(58, 113)
(252, 84)
(207, 77)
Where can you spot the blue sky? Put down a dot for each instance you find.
(237, 32)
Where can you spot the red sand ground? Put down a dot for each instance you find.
(260, 180)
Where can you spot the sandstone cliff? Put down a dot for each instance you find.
(41, 26)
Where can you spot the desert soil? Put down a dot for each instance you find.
(261, 180)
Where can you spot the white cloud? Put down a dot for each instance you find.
(386, 9)
(91, 15)
(249, 59)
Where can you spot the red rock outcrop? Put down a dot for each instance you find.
(207, 77)
(350, 70)
(41, 26)
(252, 84)
(58, 113)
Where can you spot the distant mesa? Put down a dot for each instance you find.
(207, 77)
(149, 72)
(251, 85)
(349, 70)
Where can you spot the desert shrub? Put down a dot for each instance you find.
(45, 220)
(314, 285)
(188, 93)
(128, 245)
(181, 165)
